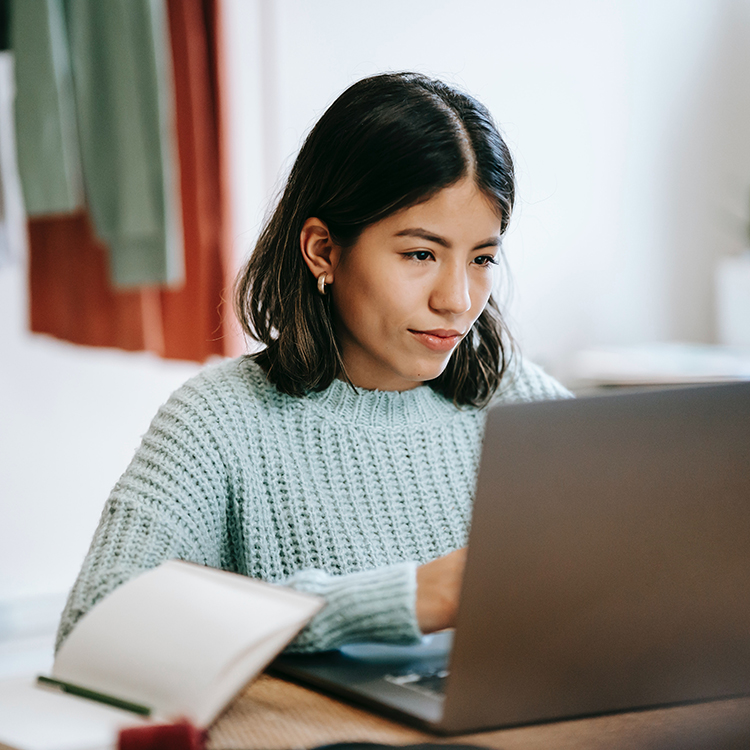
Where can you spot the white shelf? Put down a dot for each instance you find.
(667, 363)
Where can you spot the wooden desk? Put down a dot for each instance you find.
(273, 714)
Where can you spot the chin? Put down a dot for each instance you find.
(432, 371)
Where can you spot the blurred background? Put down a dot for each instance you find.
(630, 125)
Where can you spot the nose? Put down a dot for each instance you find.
(450, 293)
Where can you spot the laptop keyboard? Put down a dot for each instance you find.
(428, 682)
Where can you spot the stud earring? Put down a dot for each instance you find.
(322, 284)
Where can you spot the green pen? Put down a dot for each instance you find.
(82, 692)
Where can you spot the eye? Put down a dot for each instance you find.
(419, 255)
(485, 260)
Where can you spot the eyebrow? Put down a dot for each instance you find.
(423, 234)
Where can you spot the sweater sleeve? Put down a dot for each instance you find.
(169, 504)
(370, 605)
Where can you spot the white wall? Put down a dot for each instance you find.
(630, 123)
(70, 420)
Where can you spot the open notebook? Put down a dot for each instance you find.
(178, 641)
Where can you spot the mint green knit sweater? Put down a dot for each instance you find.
(340, 493)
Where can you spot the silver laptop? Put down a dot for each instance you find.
(608, 569)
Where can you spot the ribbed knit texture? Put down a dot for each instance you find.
(340, 493)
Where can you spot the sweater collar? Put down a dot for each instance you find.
(382, 408)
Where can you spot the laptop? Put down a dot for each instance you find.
(608, 570)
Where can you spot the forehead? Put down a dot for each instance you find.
(461, 209)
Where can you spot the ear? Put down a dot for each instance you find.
(318, 249)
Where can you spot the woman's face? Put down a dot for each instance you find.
(412, 286)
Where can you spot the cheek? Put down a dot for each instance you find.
(398, 296)
(380, 294)
(362, 301)
(480, 293)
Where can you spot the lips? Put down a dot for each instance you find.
(438, 339)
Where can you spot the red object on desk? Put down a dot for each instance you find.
(180, 736)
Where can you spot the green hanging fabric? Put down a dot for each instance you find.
(46, 132)
(124, 102)
(95, 116)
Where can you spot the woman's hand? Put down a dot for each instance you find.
(438, 591)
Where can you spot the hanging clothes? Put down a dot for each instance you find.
(12, 218)
(119, 53)
(6, 103)
(198, 319)
(49, 159)
(95, 116)
(70, 295)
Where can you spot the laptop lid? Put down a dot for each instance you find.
(609, 561)
(608, 567)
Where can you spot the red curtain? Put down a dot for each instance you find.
(71, 296)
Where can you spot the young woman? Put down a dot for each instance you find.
(342, 459)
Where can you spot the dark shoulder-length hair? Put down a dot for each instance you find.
(388, 142)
